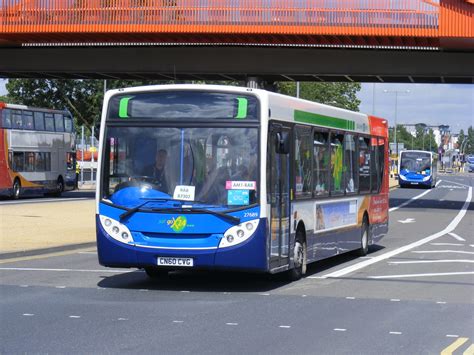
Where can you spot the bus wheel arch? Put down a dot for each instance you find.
(59, 186)
(299, 254)
(16, 188)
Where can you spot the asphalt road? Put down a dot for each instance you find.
(412, 295)
(65, 197)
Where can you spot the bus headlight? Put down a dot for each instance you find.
(238, 234)
(426, 178)
(116, 230)
(403, 177)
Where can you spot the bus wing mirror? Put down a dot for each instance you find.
(282, 142)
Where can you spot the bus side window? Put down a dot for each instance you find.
(49, 122)
(303, 152)
(59, 122)
(6, 118)
(350, 164)
(364, 164)
(39, 121)
(374, 165)
(17, 121)
(18, 161)
(337, 164)
(381, 157)
(40, 162)
(28, 120)
(29, 161)
(68, 124)
(320, 164)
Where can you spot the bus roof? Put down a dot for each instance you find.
(285, 108)
(24, 107)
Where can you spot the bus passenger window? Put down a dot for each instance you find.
(17, 121)
(39, 121)
(364, 164)
(374, 165)
(337, 164)
(6, 118)
(29, 161)
(28, 120)
(350, 163)
(320, 164)
(18, 161)
(68, 124)
(303, 150)
(59, 122)
(49, 122)
(40, 162)
(381, 158)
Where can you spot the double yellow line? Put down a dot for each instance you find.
(449, 350)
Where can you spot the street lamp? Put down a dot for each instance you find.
(396, 92)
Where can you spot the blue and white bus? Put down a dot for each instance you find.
(219, 177)
(417, 168)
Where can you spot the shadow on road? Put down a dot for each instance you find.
(219, 281)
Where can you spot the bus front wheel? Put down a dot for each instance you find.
(16, 189)
(59, 187)
(299, 258)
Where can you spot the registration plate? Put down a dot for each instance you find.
(180, 262)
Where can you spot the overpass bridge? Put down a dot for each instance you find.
(327, 40)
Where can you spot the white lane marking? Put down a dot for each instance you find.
(185, 291)
(441, 302)
(394, 300)
(24, 286)
(438, 182)
(60, 286)
(454, 235)
(122, 319)
(232, 323)
(350, 298)
(431, 261)
(340, 329)
(303, 295)
(395, 333)
(264, 294)
(442, 251)
(28, 314)
(452, 336)
(421, 275)
(452, 226)
(410, 200)
(407, 220)
(458, 183)
(178, 321)
(75, 317)
(366, 257)
(143, 290)
(448, 244)
(62, 270)
(88, 252)
(285, 326)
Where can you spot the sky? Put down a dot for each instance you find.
(432, 104)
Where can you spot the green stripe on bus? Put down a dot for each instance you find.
(123, 107)
(321, 120)
(242, 108)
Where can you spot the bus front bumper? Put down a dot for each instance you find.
(250, 255)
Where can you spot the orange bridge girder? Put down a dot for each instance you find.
(373, 23)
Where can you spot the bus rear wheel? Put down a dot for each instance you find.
(16, 189)
(156, 273)
(59, 187)
(299, 258)
(364, 239)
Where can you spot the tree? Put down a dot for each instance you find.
(335, 94)
(470, 141)
(4, 98)
(461, 138)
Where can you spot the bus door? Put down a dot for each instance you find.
(279, 194)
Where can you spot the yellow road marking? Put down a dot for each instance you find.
(44, 256)
(469, 350)
(456, 344)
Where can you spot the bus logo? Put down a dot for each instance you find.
(177, 224)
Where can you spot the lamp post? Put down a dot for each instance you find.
(396, 92)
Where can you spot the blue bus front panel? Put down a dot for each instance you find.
(196, 236)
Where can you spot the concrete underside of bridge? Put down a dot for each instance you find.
(238, 63)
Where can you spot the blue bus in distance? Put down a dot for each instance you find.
(417, 168)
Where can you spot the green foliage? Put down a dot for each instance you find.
(4, 98)
(422, 140)
(342, 95)
(470, 141)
